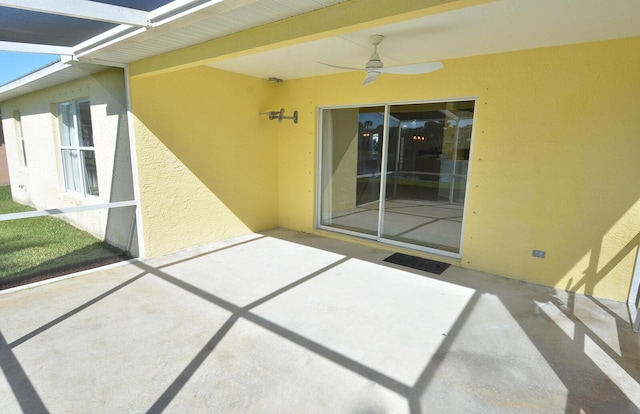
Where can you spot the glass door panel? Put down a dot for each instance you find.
(351, 168)
(430, 176)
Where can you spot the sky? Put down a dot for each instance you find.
(15, 64)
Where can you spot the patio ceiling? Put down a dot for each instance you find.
(492, 27)
(118, 32)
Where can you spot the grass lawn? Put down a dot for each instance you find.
(43, 247)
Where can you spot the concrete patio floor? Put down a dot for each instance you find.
(285, 322)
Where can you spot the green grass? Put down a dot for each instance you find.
(42, 247)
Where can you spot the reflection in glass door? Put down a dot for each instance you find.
(351, 168)
(397, 173)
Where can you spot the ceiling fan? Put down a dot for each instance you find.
(374, 66)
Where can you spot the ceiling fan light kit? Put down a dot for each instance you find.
(375, 67)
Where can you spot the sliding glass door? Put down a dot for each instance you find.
(397, 173)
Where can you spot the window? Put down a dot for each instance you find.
(20, 134)
(397, 173)
(78, 153)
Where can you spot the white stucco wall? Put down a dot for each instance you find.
(41, 183)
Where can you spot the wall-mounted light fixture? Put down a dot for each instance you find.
(279, 115)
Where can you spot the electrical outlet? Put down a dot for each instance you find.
(539, 253)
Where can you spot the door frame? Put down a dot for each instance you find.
(387, 105)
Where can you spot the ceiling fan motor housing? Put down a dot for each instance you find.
(374, 61)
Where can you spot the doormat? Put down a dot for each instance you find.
(419, 263)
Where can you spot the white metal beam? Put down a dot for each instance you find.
(103, 37)
(83, 9)
(177, 9)
(35, 48)
(142, 251)
(94, 45)
(66, 210)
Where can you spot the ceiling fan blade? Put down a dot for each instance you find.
(340, 67)
(415, 69)
(371, 77)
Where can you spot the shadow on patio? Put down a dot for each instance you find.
(289, 322)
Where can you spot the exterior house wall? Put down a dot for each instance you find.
(4, 166)
(41, 183)
(553, 163)
(206, 158)
(553, 160)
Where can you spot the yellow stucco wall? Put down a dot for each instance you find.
(554, 158)
(206, 159)
(553, 166)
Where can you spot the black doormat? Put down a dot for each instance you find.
(419, 263)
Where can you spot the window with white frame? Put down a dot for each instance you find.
(20, 134)
(78, 153)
